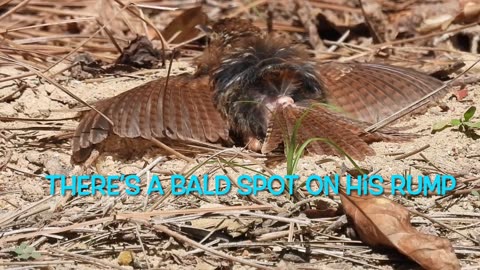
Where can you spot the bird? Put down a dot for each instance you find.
(255, 90)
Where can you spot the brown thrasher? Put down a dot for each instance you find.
(251, 88)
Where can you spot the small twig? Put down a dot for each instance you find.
(171, 150)
(86, 259)
(110, 36)
(443, 225)
(137, 232)
(340, 40)
(376, 38)
(13, 10)
(149, 23)
(53, 82)
(431, 35)
(195, 244)
(412, 153)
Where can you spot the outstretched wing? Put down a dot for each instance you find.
(183, 111)
(372, 92)
(317, 121)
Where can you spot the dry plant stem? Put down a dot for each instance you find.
(156, 7)
(249, 196)
(195, 244)
(279, 218)
(306, 17)
(48, 24)
(348, 259)
(6, 220)
(466, 191)
(87, 259)
(31, 264)
(126, 216)
(339, 41)
(197, 250)
(85, 42)
(53, 82)
(147, 169)
(291, 229)
(172, 151)
(110, 36)
(413, 152)
(256, 162)
(137, 232)
(443, 225)
(242, 9)
(376, 38)
(397, 42)
(161, 200)
(336, 7)
(20, 119)
(20, 88)
(5, 2)
(41, 209)
(433, 165)
(144, 24)
(149, 23)
(13, 10)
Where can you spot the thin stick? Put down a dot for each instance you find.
(87, 259)
(13, 10)
(160, 36)
(39, 74)
(413, 152)
(443, 225)
(340, 40)
(187, 240)
(407, 40)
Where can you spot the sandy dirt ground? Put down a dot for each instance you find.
(27, 159)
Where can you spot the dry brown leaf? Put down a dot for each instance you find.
(323, 209)
(183, 27)
(382, 222)
(140, 53)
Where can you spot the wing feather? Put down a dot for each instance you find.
(372, 92)
(183, 111)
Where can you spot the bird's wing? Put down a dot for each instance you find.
(318, 122)
(372, 92)
(183, 111)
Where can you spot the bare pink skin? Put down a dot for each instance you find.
(283, 101)
(253, 144)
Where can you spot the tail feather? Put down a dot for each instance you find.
(319, 122)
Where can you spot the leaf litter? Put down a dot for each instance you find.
(168, 232)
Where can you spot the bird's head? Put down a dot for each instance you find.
(255, 75)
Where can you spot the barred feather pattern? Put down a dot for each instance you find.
(234, 94)
(372, 92)
(316, 121)
(183, 111)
